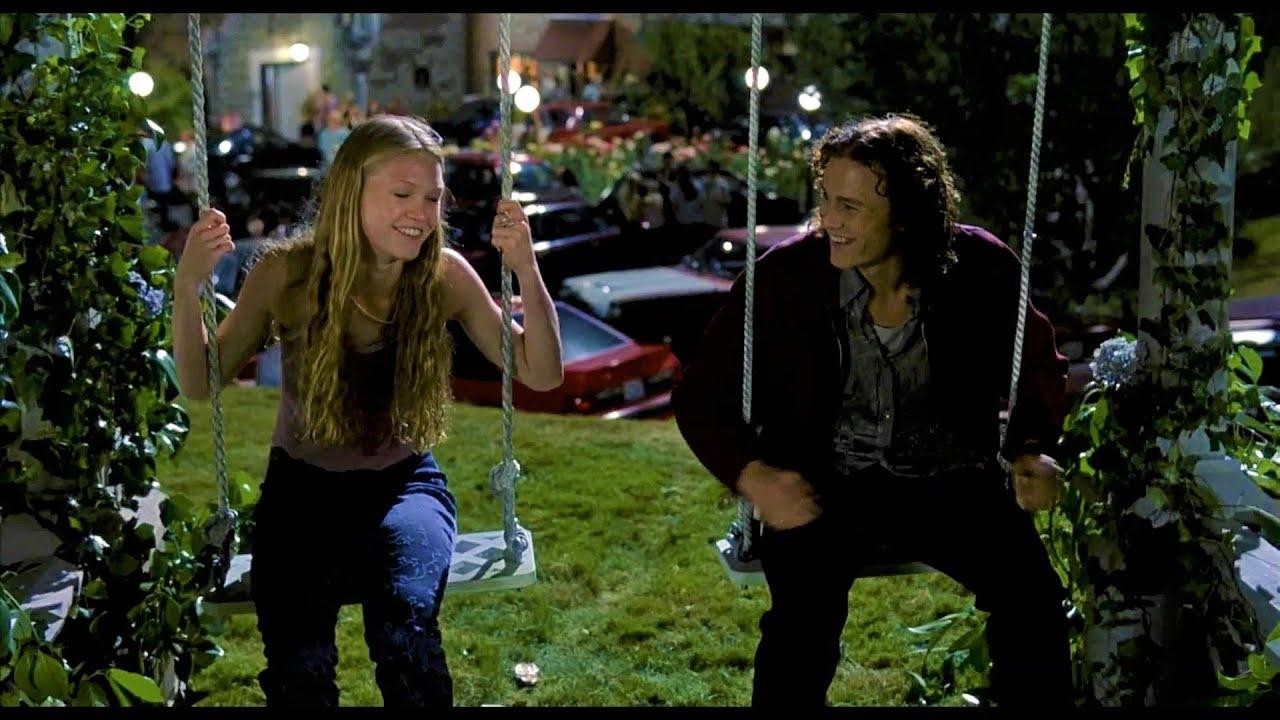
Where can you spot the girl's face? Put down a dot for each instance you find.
(400, 204)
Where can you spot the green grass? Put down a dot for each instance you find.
(1259, 274)
(631, 607)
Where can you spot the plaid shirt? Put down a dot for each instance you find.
(887, 416)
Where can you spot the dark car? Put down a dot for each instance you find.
(569, 238)
(793, 126)
(1254, 322)
(606, 373)
(253, 166)
(667, 243)
(671, 304)
(473, 119)
(473, 180)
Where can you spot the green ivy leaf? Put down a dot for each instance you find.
(135, 685)
(166, 363)
(8, 618)
(10, 201)
(50, 678)
(1260, 669)
(91, 694)
(1240, 683)
(24, 674)
(1252, 361)
(8, 297)
(154, 257)
(132, 225)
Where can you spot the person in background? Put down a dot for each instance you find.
(331, 137)
(716, 197)
(162, 169)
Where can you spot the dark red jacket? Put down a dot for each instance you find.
(800, 355)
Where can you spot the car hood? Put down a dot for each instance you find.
(601, 290)
(1255, 308)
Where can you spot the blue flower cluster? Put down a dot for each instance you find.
(1115, 362)
(152, 297)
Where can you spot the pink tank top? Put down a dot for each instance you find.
(372, 371)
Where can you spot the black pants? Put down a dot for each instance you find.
(324, 539)
(965, 524)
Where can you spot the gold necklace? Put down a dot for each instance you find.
(389, 321)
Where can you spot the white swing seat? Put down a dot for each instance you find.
(477, 566)
(748, 573)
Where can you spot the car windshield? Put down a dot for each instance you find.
(481, 182)
(533, 177)
(580, 336)
(567, 222)
(472, 181)
(720, 256)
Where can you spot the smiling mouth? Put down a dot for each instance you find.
(835, 240)
(415, 233)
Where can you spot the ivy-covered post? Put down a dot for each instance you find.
(1164, 617)
(88, 384)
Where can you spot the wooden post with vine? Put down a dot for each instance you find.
(1165, 618)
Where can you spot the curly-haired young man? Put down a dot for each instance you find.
(882, 355)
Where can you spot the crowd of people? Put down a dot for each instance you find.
(674, 195)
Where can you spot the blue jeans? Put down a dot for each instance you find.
(325, 539)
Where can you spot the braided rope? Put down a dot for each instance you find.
(504, 476)
(222, 530)
(745, 510)
(1033, 178)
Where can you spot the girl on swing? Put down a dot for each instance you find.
(354, 507)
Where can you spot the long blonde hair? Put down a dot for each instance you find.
(335, 243)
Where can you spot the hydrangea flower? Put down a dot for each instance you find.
(152, 297)
(1115, 362)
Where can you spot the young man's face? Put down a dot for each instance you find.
(855, 216)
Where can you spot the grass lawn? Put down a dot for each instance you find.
(630, 608)
(1259, 274)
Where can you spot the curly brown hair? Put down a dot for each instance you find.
(913, 173)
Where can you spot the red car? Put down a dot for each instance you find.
(606, 373)
(672, 303)
(572, 122)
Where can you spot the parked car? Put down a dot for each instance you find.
(473, 180)
(475, 118)
(672, 304)
(251, 166)
(573, 121)
(1256, 322)
(1253, 321)
(668, 242)
(606, 373)
(569, 238)
(793, 126)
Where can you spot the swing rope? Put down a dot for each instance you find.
(222, 529)
(1028, 224)
(745, 510)
(503, 477)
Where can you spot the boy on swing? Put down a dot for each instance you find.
(882, 350)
